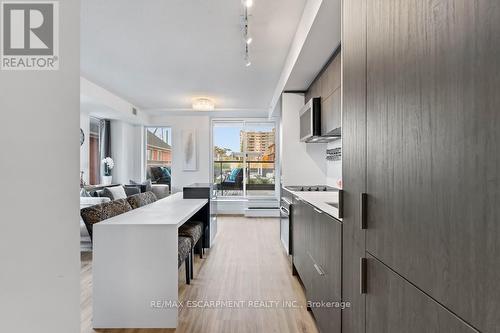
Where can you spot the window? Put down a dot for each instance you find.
(94, 151)
(159, 155)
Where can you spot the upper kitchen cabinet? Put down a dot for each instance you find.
(327, 85)
(433, 160)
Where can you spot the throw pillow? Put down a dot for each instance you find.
(166, 172)
(234, 173)
(115, 192)
(84, 193)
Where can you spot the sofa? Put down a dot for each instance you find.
(100, 192)
(160, 190)
(100, 195)
(85, 241)
(190, 234)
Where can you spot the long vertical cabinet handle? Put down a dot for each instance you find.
(362, 207)
(341, 204)
(363, 278)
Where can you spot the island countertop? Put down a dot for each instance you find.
(172, 210)
(135, 262)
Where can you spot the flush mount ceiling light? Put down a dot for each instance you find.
(203, 104)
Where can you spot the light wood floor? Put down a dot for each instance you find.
(246, 263)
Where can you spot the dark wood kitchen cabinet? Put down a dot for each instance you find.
(433, 157)
(420, 137)
(327, 85)
(353, 159)
(325, 255)
(299, 237)
(397, 306)
(317, 246)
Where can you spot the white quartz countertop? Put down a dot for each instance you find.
(320, 200)
(172, 210)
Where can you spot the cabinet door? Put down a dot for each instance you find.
(327, 114)
(310, 234)
(298, 236)
(302, 213)
(394, 306)
(336, 109)
(433, 161)
(353, 158)
(326, 280)
(331, 113)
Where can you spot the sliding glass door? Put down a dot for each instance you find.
(244, 158)
(260, 143)
(228, 158)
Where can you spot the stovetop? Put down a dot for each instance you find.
(311, 188)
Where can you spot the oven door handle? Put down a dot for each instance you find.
(285, 211)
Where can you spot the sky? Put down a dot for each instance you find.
(227, 137)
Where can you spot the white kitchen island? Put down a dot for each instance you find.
(135, 271)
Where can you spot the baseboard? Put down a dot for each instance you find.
(262, 212)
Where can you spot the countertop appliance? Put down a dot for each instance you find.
(312, 188)
(285, 221)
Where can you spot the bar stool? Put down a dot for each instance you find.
(194, 231)
(184, 255)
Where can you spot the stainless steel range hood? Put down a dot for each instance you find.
(319, 122)
(333, 135)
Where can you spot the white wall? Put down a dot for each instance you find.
(39, 170)
(201, 123)
(102, 103)
(302, 163)
(306, 22)
(127, 144)
(127, 131)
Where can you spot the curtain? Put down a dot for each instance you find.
(104, 140)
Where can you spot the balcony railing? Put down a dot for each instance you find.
(260, 177)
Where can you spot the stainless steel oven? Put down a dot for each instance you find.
(285, 223)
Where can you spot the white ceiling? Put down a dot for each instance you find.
(160, 54)
(323, 39)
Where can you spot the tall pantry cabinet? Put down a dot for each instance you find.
(421, 138)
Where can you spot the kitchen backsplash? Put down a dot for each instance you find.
(333, 168)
